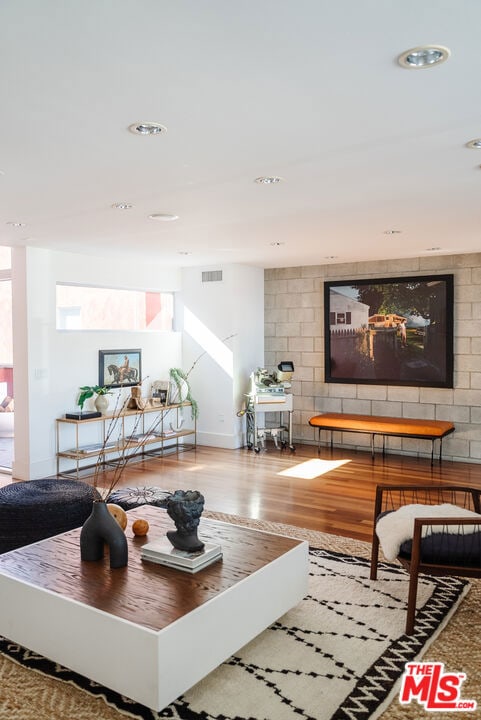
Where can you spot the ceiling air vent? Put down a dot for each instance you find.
(212, 276)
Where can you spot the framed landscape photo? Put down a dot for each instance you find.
(390, 331)
(120, 368)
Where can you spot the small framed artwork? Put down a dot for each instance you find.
(120, 368)
(160, 389)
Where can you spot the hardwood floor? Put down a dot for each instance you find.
(267, 485)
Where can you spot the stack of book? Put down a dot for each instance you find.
(162, 552)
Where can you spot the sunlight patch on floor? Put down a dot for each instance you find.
(254, 505)
(313, 468)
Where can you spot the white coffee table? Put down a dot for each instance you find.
(147, 631)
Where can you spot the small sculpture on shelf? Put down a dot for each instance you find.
(185, 508)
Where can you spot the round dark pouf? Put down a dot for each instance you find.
(131, 497)
(38, 509)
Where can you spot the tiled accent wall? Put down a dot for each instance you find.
(294, 330)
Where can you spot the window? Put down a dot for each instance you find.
(94, 308)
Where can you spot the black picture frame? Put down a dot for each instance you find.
(112, 370)
(364, 339)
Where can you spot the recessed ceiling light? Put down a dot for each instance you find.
(184, 252)
(276, 244)
(424, 57)
(268, 180)
(474, 144)
(147, 128)
(16, 224)
(163, 217)
(392, 232)
(122, 206)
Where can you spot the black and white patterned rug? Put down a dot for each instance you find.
(335, 656)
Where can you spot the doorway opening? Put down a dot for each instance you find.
(7, 415)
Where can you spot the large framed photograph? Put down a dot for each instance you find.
(390, 331)
(120, 368)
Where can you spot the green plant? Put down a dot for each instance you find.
(180, 377)
(88, 391)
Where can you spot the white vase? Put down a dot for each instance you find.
(101, 403)
(178, 393)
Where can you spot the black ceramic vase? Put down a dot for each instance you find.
(101, 529)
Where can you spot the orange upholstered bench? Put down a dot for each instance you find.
(384, 426)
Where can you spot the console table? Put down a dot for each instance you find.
(147, 631)
(128, 435)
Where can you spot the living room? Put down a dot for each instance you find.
(243, 157)
(286, 293)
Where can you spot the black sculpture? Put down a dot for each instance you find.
(185, 508)
(102, 529)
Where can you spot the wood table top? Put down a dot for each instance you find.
(145, 593)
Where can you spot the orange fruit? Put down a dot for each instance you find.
(140, 527)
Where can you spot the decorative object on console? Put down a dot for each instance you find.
(185, 508)
(179, 390)
(101, 529)
(101, 401)
(135, 401)
(160, 390)
(83, 415)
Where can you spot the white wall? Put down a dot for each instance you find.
(231, 307)
(294, 329)
(50, 365)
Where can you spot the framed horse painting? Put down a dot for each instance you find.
(120, 368)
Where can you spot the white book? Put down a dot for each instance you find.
(162, 551)
(167, 562)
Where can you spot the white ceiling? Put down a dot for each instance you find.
(308, 90)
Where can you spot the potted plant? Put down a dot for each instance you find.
(180, 390)
(88, 391)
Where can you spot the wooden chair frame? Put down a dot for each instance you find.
(391, 497)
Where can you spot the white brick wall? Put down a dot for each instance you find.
(294, 330)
